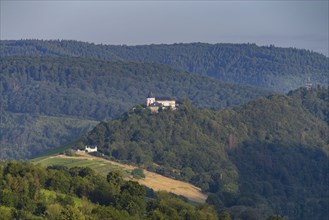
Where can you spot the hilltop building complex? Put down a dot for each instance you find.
(154, 103)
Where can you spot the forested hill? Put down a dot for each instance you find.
(101, 89)
(279, 69)
(32, 192)
(315, 102)
(46, 101)
(268, 156)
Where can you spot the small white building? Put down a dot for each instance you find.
(90, 149)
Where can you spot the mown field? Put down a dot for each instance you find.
(96, 164)
(152, 180)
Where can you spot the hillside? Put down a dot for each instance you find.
(315, 101)
(268, 156)
(279, 69)
(25, 135)
(47, 101)
(30, 191)
(103, 166)
(100, 89)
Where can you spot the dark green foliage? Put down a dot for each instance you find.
(47, 101)
(94, 89)
(276, 217)
(224, 215)
(138, 173)
(30, 192)
(287, 173)
(166, 206)
(25, 135)
(268, 156)
(315, 100)
(78, 87)
(280, 69)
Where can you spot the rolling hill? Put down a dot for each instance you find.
(278, 69)
(47, 101)
(88, 82)
(253, 155)
(270, 155)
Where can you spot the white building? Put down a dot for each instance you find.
(154, 103)
(90, 149)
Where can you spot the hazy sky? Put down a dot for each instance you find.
(300, 24)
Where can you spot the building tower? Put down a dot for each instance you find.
(150, 99)
(308, 84)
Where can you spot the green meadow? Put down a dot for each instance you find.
(99, 165)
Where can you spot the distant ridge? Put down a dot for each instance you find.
(279, 69)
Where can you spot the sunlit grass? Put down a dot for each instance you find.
(100, 166)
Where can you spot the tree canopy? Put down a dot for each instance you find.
(29, 191)
(47, 101)
(279, 69)
(262, 155)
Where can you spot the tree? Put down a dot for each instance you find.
(114, 178)
(276, 217)
(54, 211)
(224, 215)
(138, 173)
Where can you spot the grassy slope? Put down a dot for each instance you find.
(152, 180)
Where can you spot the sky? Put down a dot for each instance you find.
(300, 23)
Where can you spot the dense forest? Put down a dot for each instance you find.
(30, 191)
(278, 69)
(101, 90)
(24, 136)
(255, 153)
(268, 156)
(54, 91)
(46, 101)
